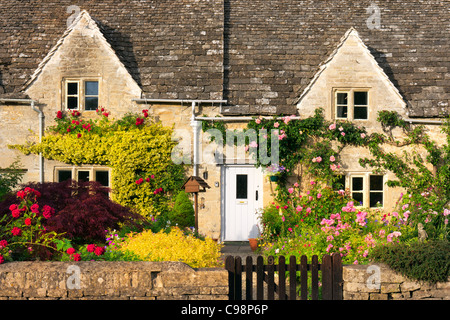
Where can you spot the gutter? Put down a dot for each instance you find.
(41, 128)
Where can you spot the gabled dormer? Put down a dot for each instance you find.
(350, 85)
(82, 72)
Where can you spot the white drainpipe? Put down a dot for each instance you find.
(195, 131)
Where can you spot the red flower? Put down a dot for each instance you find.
(79, 135)
(70, 251)
(139, 121)
(77, 257)
(16, 231)
(1, 259)
(13, 207)
(16, 213)
(59, 115)
(3, 244)
(28, 221)
(68, 129)
(139, 181)
(99, 251)
(47, 212)
(35, 208)
(145, 112)
(91, 247)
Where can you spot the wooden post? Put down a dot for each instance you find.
(196, 210)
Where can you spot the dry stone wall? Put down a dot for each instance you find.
(111, 280)
(379, 282)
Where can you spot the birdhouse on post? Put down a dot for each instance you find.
(195, 185)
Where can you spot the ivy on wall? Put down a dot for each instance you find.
(136, 148)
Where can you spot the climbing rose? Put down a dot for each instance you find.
(70, 251)
(28, 221)
(59, 115)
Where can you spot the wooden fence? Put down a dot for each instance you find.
(325, 278)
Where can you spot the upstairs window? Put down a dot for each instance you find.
(351, 104)
(81, 95)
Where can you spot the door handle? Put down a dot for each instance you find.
(256, 195)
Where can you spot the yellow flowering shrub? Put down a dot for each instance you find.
(136, 149)
(174, 246)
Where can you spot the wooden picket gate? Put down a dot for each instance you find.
(328, 273)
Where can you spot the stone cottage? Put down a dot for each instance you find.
(238, 59)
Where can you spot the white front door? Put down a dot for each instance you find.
(242, 199)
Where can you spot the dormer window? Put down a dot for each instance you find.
(351, 104)
(81, 94)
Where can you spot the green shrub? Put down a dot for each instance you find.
(428, 261)
(183, 213)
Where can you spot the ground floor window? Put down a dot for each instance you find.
(99, 174)
(365, 188)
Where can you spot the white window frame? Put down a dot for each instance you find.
(67, 95)
(350, 103)
(81, 82)
(366, 191)
(76, 169)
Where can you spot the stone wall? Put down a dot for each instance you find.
(378, 282)
(111, 280)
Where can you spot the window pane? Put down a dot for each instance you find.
(357, 183)
(83, 176)
(241, 186)
(72, 102)
(64, 175)
(376, 183)
(341, 112)
(360, 98)
(91, 103)
(102, 177)
(358, 197)
(341, 98)
(72, 88)
(360, 113)
(376, 198)
(91, 88)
